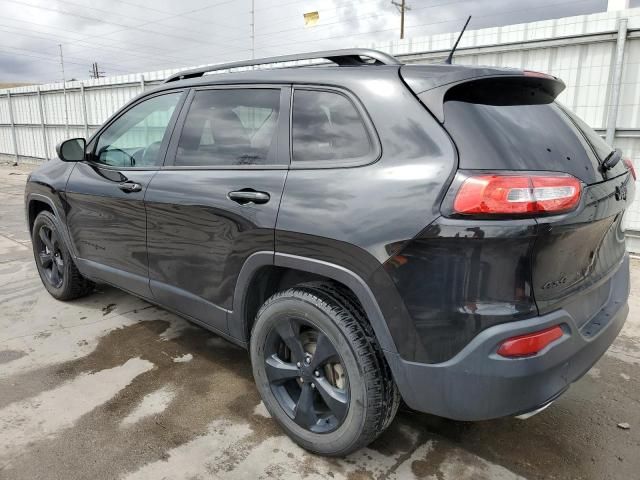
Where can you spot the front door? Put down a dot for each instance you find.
(216, 200)
(105, 209)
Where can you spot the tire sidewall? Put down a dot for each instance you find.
(351, 428)
(47, 219)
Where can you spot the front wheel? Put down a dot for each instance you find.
(319, 370)
(56, 268)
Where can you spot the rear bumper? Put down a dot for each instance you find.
(478, 384)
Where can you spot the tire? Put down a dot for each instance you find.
(57, 270)
(363, 401)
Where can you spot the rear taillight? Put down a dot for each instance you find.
(529, 344)
(629, 164)
(503, 194)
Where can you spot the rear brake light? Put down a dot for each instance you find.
(629, 164)
(499, 194)
(529, 344)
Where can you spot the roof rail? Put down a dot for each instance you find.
(345, 57)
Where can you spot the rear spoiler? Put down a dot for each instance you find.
(432, 83)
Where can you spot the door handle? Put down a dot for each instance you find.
(244, 197)
(130, 187)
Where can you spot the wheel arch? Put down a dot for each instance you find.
(35, 206)
(265, 263)
(36, 203)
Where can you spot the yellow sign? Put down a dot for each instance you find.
(311, 18)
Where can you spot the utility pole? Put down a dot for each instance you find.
(253, 29)
(64, 92)
(402, 7)
(95, 72)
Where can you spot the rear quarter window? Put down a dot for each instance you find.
(327, 128)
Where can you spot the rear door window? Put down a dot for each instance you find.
(326, 127)
(230, 127)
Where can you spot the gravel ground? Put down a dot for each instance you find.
(110, 386)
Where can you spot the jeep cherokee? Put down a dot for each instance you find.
(370, 231)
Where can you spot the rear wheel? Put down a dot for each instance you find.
(319, 370)
(55, 265)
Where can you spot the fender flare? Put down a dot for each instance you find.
(237, 321)
(58, 219)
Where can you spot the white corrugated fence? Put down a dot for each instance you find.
(597, 56)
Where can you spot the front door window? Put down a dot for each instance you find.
(135, 138)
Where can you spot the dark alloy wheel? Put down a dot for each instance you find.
(319, 369)
(56, 267)
(306, 375)
(50, 256)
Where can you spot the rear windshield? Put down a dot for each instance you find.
(501, 126)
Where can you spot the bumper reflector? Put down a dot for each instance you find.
(529, 344)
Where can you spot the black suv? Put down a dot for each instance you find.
(371, 231)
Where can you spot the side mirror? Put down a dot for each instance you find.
(72, 150)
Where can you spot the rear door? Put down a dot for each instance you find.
(104, 196)
(510, 124)
(215, 201)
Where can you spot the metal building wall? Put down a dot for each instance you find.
(581, 50)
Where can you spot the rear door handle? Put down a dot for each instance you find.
(244, 197)
(130, 187)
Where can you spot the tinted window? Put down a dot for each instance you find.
(134, 139)
(230, 127)
(326, 126)
(600, 147)
(500, 125)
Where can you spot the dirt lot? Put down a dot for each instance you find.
(111, 387)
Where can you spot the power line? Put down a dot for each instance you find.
(337, 8)
(297, 42)
(125, 27)
(85, 60)
(55, 60)
(182, 59)
(150, 22)
(164, 56)
(359, 18)
(80, 61)
(182, 15)
(346, 21)
(89, 45)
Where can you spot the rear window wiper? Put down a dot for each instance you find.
(612, 159)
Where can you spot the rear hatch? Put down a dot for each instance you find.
(511, 125)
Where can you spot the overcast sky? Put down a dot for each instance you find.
(129, 36)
